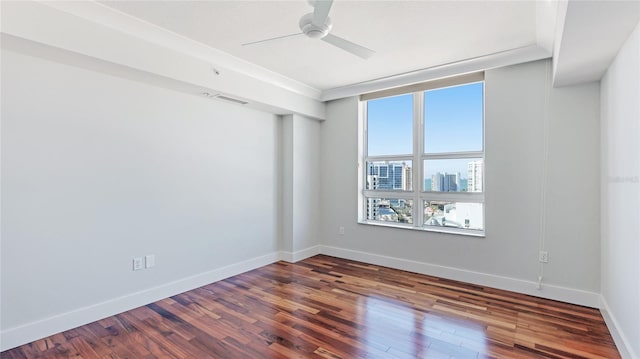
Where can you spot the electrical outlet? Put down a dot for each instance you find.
(341, 230)
(137, 263)
(543, 257)
(149, 260)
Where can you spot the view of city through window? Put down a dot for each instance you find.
(395, 175)
(452, 161)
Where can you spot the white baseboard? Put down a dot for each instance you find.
(622, 342)
(13, 337)
(569, 295)
(293, 257)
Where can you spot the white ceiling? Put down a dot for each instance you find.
(406, 35)
(592, 34)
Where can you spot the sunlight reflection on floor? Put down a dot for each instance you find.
(417, 334)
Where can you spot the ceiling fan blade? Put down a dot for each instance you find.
(273, 38)
(321, 12)
(349, 46)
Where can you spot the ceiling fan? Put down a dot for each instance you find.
(317, 25)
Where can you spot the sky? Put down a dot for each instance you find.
(453, 123)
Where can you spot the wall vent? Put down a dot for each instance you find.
(222, 97)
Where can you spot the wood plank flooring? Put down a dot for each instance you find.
(325, 307)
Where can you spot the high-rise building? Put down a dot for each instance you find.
(407, 177)
(372, 208)
(436, 181)
(446, 182)
(452, 182)
(389, 176)
(474, 176)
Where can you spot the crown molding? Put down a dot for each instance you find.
(120, 21)
(481, 63)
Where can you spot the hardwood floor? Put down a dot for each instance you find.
(325, 307)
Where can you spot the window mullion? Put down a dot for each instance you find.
(452, 155)
(364, 158)
(390, 158)
(477, 197)
(388, 194)
(418, 144)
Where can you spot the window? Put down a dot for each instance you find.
(423, 149)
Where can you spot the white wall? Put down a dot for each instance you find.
(508, 256)
(300, 193)
(98, 169)
(306, 182)
(620, 190)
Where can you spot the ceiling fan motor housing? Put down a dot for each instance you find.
(313, 31)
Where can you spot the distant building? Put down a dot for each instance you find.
(372, 208)
(389, 176)
(380, 210)
(474, 176)
(386, 213)
(456, 215)
(446, 182)
(407, 178)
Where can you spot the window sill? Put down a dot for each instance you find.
(458, 231)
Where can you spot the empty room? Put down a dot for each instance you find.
(320, 179)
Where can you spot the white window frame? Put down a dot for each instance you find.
(418, 194)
